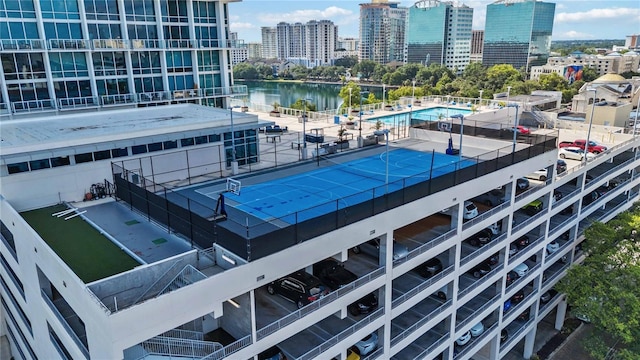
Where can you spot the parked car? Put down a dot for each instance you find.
(517, 297)
(557, 195)
(524, 316)
(367, 345)
(513, 249)
(470, 210)
(480, 270)
(522, 183)
(272, 353)
(506, 306)
(574, 153)
(464, 339)
(547, 296)
(492, 197)
(442, 293)
(429, 268)
(540, 175)
(522, 242)
(533, 207)
(477, 329)
(520, 130)
(589, 198)
(300, 287)
(480, 238)
(351, 355)
(561, 166)
(521, 269)
(504, 335)
(333, 273)
(372, 248)
(552, 247)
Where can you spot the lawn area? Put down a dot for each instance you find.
(89, 254)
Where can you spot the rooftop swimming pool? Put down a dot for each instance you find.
(430, 114)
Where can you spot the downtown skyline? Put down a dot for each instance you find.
(574, 20)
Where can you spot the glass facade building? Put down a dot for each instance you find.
(518, 33)
(61, 54)
(382, 32)
(439, 33)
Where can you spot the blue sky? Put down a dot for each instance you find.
(575, 19)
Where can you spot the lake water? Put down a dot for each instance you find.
(324, 96)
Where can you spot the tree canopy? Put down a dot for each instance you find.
(605, 288)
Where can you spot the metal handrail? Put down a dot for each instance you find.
(487, 304)
(515, 335)
(78, 102)
(424, 285)
(566, 198)
(529, 220)
(161, 345)
(525, 277)
(551, 257)
(485, 215)
(468, 347)
(327, 344)
(562, 224)
(415, 326)
(230, 349)
(63, 321)
(512, 310)
(479, 282)
(444, 338)
(315, 305)
(488, 246)
(520, 253)
(527, 192)
(426, 247)
(556, 274)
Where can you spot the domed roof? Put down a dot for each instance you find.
(609, 78)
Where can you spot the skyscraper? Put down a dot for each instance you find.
(59, 55)
(439, 32)
(382, 31)
(269, 43)
(321, 41)
(518, 32)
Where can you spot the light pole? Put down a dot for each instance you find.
(480, 99)
(413, 91)
(385, 132)
(304, 129)
(234, 162)
(593, 109)
(515, 127)
(635, 122)
(349, 112)
(508, 93)
(384, 89)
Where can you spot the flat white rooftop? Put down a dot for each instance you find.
(82, 128)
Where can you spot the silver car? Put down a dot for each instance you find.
(372, 248)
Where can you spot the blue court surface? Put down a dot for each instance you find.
(430, 114)
(304, 196)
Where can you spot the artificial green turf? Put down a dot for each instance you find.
(88, 253)
(159, 241)
(132, 222)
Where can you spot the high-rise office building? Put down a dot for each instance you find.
(439, 32)
(382, 31)
(59, 55)
(518, 32)
(269, 43)
(477, 39)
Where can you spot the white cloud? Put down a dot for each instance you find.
(333, 13)
(572, 34)
(597, 14)
(240, 25)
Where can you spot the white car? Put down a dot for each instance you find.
(552, 247)
(367, 345)
(470, 210)
(521, 269)
(540, 175)
(477, 329)
(574, 153)
(464, 339)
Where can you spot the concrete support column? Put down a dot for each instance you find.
(561, 313)
(494, 350)
(529, 342)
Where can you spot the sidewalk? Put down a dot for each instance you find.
(572, 348)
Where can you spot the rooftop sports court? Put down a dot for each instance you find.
(317, 192)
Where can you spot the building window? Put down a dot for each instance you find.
(83, 158)
(174, 11)
(17, 9)
(187, 142)
(39, 164)
(102, 155)
(154, 147)
(109, 63)
(60, 161)
(59, 9)
(146, 62)
(115, 153)
(139, 10)
(72, 89)
(105, 31)
(112, 86)
(142, 32)
(54, 30)
(148, 84)
(7, 236)
(180, 82)
(138, 149)
(170, 144)
(102, 9)
(57, 343)
(18, 167)
(21, 66)
(204, 12)
(201, 140)
(214, 138)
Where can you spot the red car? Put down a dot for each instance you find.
(520, 130)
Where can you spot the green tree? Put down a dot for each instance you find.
(589, 74)
(365, 68)
(553, 81)
(605, 288)
(300, 105)
(354, 93)
(498, 76)
(347, 61)
(245, 71)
